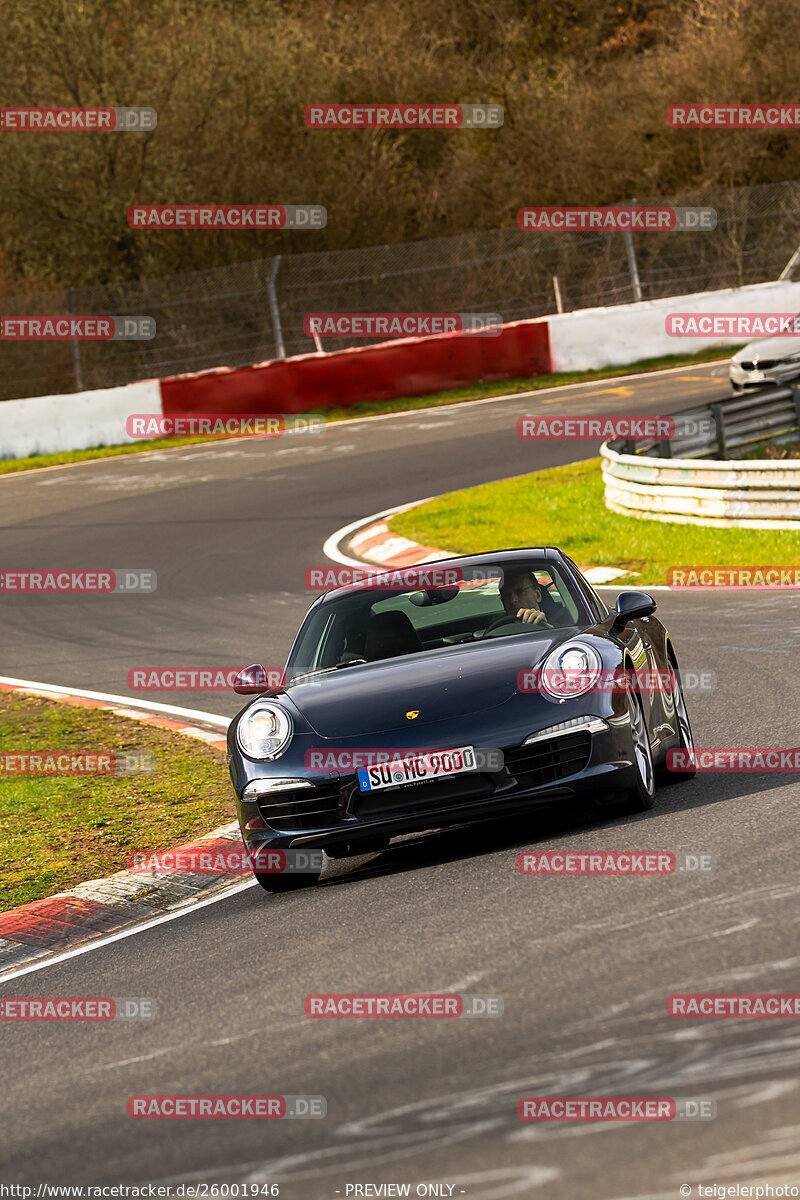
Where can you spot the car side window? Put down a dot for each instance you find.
(600, 610)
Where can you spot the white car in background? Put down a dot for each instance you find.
(772, 360)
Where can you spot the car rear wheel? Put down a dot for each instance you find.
(643, 793)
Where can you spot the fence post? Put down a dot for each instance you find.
(557, 290)
(280, 350)
(719, 425)
(76, 346)
(786, 273)
(793, 388)
(632, 264)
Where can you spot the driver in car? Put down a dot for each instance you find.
(521, 597)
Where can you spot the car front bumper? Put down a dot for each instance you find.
(755, 377)
(333, 812)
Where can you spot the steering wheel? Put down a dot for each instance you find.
(506, 619)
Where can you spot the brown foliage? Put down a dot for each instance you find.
(584, 83)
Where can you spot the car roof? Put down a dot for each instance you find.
(506, 557)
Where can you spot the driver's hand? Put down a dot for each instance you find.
(532, 616)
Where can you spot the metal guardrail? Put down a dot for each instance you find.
(744, 422)
(690, 478)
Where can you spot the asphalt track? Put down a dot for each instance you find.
(584, 964)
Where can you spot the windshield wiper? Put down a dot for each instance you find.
(354, 662)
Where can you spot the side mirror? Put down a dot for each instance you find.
(250, 680)
(631, 605)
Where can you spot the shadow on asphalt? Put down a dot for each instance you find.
(488, 837)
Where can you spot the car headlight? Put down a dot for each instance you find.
(264, 731)
(570, 670)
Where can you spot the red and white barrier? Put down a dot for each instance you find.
(404, 367)
(576, 341)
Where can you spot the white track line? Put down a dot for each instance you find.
(330, 548)
(180, 910)
(186, 906)
(169, 710)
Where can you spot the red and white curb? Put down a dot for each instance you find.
(60, 925)
(370, 540)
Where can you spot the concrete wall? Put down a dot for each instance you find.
(614, 337)
(49, 424)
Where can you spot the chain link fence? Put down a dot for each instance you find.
(251, 312)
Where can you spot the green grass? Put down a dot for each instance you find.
(58, 831)
(476, 391)
(564, 507)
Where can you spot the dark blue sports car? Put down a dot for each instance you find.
(467, 689)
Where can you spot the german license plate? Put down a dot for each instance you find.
(436, 764)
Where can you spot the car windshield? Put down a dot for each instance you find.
(368, 624)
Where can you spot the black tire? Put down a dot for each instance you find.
(642, 796)
(274, 882)
(686, 738)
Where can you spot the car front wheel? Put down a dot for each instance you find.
(275, 882)
(684, 731)
(643, 793)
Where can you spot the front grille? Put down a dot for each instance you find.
(305, 808)
(550, 760)
(417, 797)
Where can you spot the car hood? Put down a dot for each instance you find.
(776, 347)
(440, 684)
